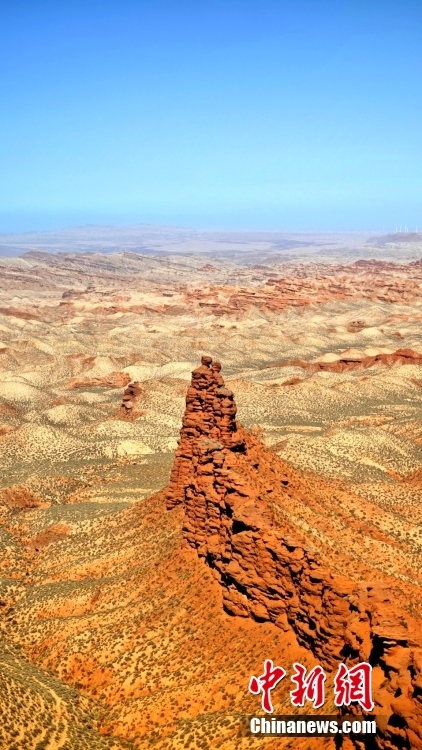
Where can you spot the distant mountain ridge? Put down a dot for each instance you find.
(399, 237)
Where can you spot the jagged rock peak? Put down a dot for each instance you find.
(210, 414)
(210, 407)
(129, 409)
(131, 394)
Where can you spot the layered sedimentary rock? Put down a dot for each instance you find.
(229, 485)
(345, 363)
(113, 380)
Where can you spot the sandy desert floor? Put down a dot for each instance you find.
(114, 633)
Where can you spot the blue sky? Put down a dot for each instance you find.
(275, 115)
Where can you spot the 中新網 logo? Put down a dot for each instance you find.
(350, 685)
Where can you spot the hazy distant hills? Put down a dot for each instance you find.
(397, 237)
(244, 248)
(236, 245)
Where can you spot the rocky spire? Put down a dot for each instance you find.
(210, 408)
(210, 413)
(130, 396)
(129, 411)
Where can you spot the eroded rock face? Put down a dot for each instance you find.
(113, 380)
(129, 408)
(229, 483)
(210, 416)
(344, 364)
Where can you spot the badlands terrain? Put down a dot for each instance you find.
(115, 632)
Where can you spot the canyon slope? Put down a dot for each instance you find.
(123, 621)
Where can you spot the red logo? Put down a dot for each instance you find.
(350, 685)
(354, 685)
(310, 688)
(265, 683)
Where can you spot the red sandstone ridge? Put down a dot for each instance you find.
(403, 356)
(229, 485)
(114, 380)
